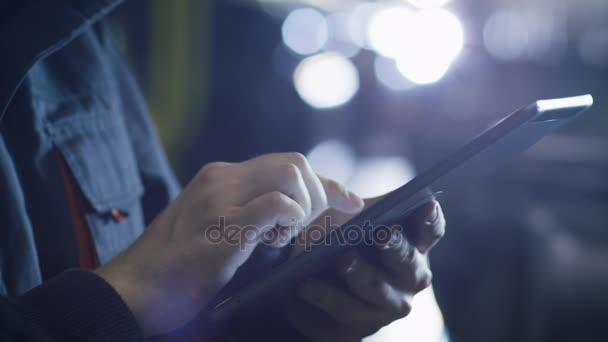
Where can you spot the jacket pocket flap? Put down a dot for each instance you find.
(98, 152)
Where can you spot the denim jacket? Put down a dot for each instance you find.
(70, 108)
(67, 97)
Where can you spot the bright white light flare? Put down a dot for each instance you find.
(424, 43)
(326, 80)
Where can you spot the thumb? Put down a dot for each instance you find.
(340, 198)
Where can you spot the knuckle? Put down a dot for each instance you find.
(425, 280)
(211, 171)
(289, 172)
(277, 199)
(438, 232)
(405, 307)
(297, 158)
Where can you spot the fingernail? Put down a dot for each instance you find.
(433, 215)
(283, 237)
(397, 237)
(347, 262)
(355, 200)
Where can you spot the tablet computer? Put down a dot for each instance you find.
(501, 142)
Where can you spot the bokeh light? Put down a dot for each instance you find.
(388, 31)
(305, 31)
(424, 43)
(423, 70)
(506, 35)
(434, 39)
(358, 22)
(326, 80)
(389, 75)
(339, 36)
(333, 159)
(428, 3)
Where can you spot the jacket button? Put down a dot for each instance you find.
(118, 216)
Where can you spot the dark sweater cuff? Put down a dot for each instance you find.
(78, 305)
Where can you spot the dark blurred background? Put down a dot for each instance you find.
(372, 92)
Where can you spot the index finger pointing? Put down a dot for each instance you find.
(339, 198)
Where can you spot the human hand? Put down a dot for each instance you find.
(378, 293)
(188, 254)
